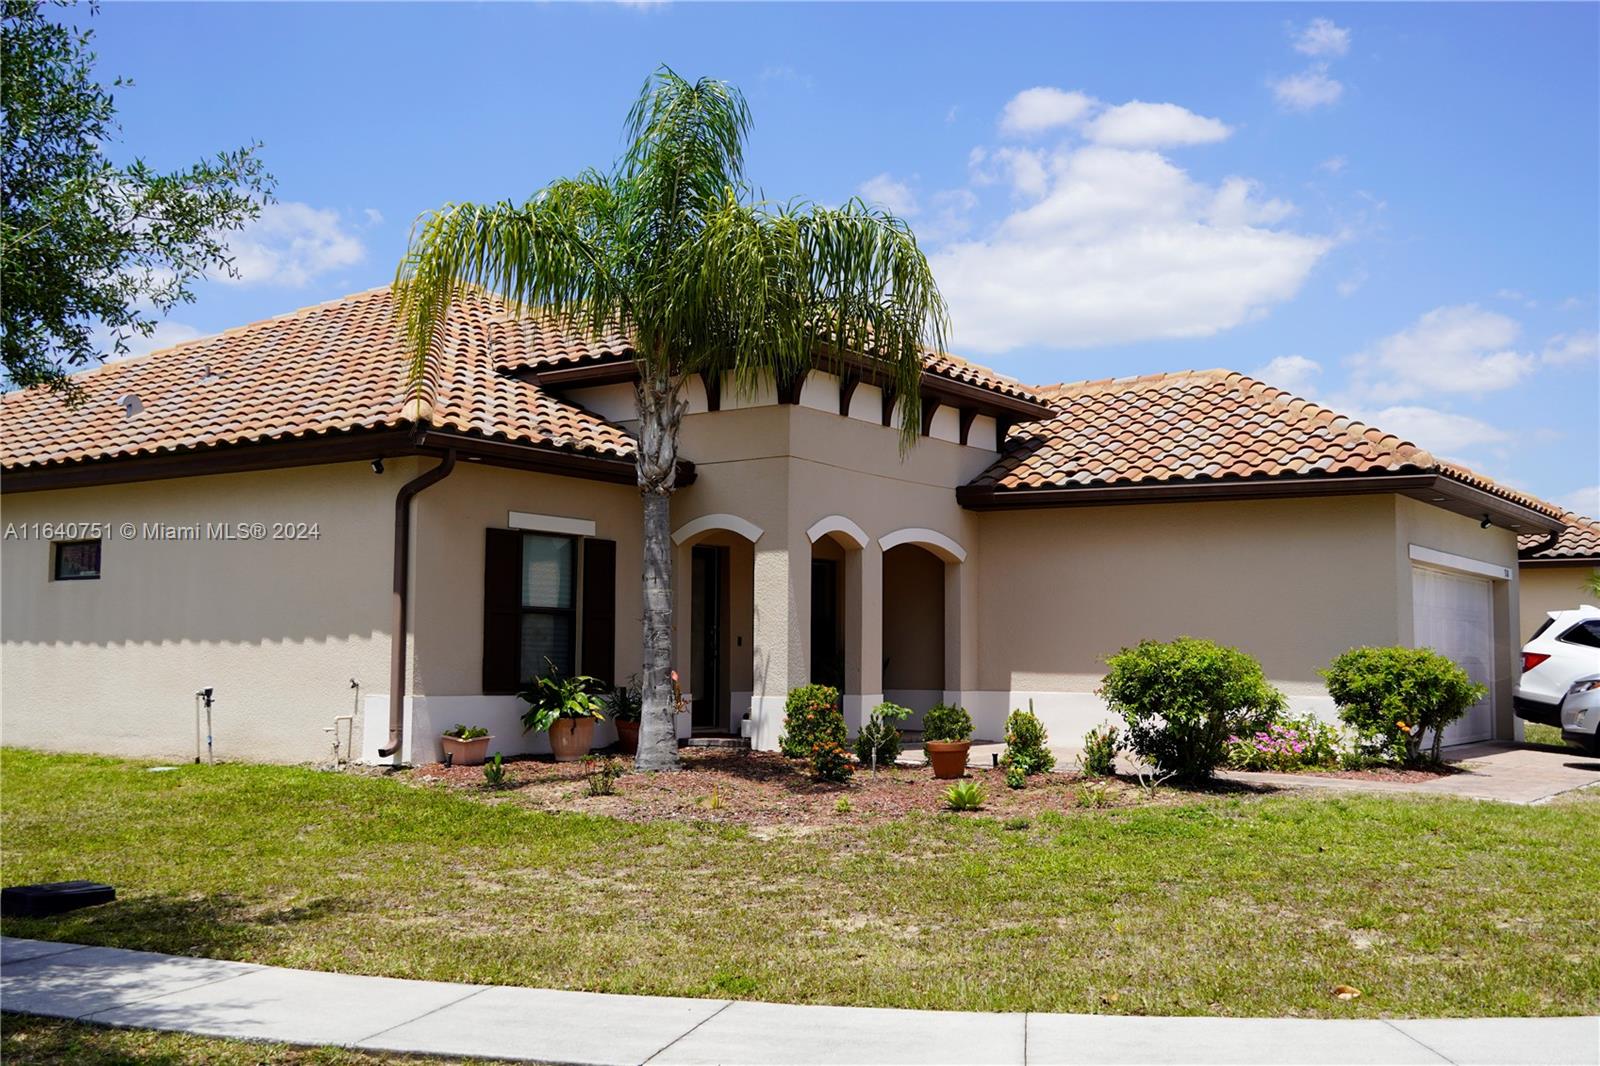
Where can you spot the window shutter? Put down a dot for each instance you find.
(599, 642)
(502, 609)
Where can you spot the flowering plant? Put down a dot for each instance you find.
(830, 761)
(1297, 744)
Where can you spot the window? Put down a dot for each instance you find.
(1585, 633)
(76, 560)
(549, 616)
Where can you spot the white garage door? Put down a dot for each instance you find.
(1455, 617)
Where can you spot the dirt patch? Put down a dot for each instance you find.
(1388, 773)
(764, 789)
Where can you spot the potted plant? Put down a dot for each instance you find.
(947, 737)
(567, 708)
(625, 703)
(466, 745)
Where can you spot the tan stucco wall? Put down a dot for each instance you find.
(447, 564)
(1291, 582)
(1550, 588)
(277, 628)
(913, 622)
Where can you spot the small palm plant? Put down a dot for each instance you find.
(674, 248)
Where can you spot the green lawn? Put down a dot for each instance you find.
(28, 1041)
(1536, 733)
(1236, 905)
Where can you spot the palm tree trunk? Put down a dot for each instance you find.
(659, 415)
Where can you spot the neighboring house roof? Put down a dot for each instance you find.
(321, 370)
(1199, 428)
(1578, 545)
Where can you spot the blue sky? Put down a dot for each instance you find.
(1390, 208)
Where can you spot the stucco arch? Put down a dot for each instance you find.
(838, 523)
(931, 539)
(712, 522)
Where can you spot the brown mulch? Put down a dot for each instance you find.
(1390, 773)
(767, 789)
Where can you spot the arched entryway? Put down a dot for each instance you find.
(921, 617)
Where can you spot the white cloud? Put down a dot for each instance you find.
(374, 216)
(787, 75)
(1292, 373)
(292, 243)
(1320, 37)
(951, 215)
(1137, 124)
(1349, 286)
(1043, 108)
(1443, 433)
(166, 334)
(1334, 164)
(1122, 246)
(1585, 501)
(890, 193)
(1449, 349)
(1024, 168)
(1235, 204)
(1565, 349)
(1307, 90)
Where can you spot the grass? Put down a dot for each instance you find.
(31, 1041)
(1537, 733)
(1238, 905)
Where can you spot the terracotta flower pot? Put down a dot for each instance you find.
(628, 738)
(571, 738)
(472, 752)
(947, 757)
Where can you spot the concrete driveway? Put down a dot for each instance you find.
(1510, 773)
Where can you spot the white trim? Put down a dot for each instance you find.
(837, 523)
(941, 545)
(549, 523)
(1434, 557)
(708, 523)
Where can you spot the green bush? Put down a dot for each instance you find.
(811, 714)
(1183, 700)
(1295, 744)
(1027, 743)
(946, 722)
(1100, 747)
(494, 772)
(878, 743)
(830, 761)
(966, 796)
(1016, 777)
(1393, 697)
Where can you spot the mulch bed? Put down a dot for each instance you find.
(1390, 773)
(767, 789)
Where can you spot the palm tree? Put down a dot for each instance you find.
(705, 277)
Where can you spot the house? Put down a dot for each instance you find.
(261, 513)
(1554, 570)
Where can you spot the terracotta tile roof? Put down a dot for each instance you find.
(1580, 542)
(336, 366)
(1199, 426)
(955, 368)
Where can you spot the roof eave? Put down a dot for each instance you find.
(1431, 488)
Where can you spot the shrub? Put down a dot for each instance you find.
(1016, 777)
(494, 773)
(1296, 744)
(1183, 700)
(603, 780)
(811, 713)
(1093, 794)
(878, 743)
(830, 761)
(1027, 743)
(625, 703)
(466, 732)
(1100, 747)
(946, 722)
(1392, 697)
(966, 796)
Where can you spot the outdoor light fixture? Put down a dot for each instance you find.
(377, 466)
(1485, 523)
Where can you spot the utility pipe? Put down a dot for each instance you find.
(402, 573)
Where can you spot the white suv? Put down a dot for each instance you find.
(1562, 650)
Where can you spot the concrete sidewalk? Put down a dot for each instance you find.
(229, 999)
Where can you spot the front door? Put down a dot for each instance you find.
(706, 622)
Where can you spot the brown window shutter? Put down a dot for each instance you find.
(502, 610)
(599, 642)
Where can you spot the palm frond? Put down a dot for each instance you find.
(554, 253)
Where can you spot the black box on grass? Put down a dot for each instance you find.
(41, 901)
